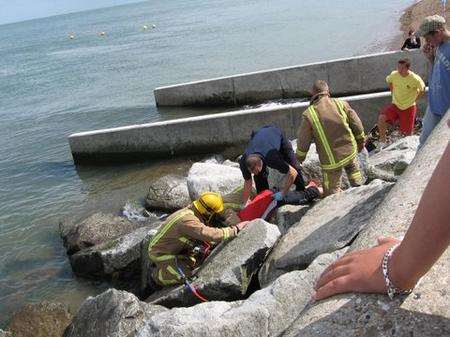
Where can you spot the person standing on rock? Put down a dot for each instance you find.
(437, 51)
(173, 248)
(269, 147)
(407, 88)
(338, 134)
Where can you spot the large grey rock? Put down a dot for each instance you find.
(422, 313)
(266, 312)
(118, 258)
(44, 319)
(392, 161)
(204, 177)
(5, 333)
(168, 193)
(288, 215)
(96, 229)
(227, 272)
(111, 314)
(330, 225)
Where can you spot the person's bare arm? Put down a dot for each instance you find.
(289, 180)
(429, 234)
(248, 184)
(420, 94)
(425, 241)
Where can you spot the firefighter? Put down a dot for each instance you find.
(338, 134)
(174, 250)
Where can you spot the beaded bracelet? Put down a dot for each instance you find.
(392, 290)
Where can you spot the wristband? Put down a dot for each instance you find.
(392, 290)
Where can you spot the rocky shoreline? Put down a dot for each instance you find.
(260, 283)
(414, 14)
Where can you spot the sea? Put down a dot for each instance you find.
(52, 85)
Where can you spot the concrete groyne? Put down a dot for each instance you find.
(349, 76)
(225, 133)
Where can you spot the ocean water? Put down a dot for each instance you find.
(51, 86)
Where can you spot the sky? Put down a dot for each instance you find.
(21, 10)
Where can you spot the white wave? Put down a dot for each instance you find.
(132, 211)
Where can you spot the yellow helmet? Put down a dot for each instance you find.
(209, 204)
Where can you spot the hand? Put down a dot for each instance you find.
(241, 225)
(278, 196)
(361, 145)
(429, 51)
(358, 271)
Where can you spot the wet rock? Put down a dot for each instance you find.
(422, 313)
(40, 320)
(228, 271)
(204, 177)
(97, 228)
(168, 193)
(330, 225)
(392, 161)
(111, 314)
(288, 215)
(117, 258)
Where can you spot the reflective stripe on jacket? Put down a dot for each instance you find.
(181, 232)
(335, 128)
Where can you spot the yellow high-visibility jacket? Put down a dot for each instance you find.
(336, 130)
(180, 233)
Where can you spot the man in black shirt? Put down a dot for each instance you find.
(268, 147)
(412, 42)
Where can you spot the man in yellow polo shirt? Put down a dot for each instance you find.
(406, 88)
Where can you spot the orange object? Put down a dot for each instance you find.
(256, 208)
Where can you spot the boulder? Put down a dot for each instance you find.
(288, 215)
(113, 313)
(204, 177)
(117, 258)
(228, 271)
(96, 229)
(266, 312)
(330, 225)
(44, 319)
(422, 313)
(168, 193)
(392, 161)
